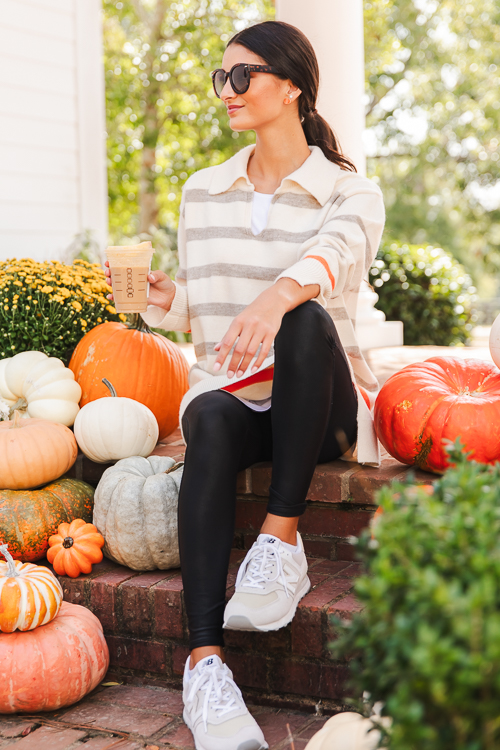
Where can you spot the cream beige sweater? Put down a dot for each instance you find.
(324, 227)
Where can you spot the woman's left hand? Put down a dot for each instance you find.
(256, 326)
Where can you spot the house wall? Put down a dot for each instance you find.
(52, 122)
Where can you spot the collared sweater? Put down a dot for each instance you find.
(324, 227)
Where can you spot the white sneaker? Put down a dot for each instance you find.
(271, 581)
(215, 711)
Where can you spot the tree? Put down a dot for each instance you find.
(163, 119)
(433, 119)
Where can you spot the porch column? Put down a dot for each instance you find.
(335, 29)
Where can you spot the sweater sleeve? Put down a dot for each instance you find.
(341, 253)
(177, 318)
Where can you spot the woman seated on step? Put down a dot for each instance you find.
(273, 247)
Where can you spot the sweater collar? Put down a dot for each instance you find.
(317, 174)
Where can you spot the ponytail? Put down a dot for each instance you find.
(288, 50)
(318, 133)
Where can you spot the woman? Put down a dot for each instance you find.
(273, 246)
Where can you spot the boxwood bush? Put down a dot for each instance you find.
(427, 643)
(427, 289)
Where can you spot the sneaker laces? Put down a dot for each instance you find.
(219, 690)
(257, 566)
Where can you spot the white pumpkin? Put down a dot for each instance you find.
(135, 509)
(40, 386)
(109, 429)
(494, 341)
(348, 731)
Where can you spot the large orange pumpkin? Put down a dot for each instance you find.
(443, 398)
(141, 365)
(34, 452)
(29, 517)
(53, 666)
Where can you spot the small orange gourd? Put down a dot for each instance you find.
(75, 548)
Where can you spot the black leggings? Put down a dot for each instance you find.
(313, 419)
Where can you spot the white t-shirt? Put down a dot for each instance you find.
(260, 211)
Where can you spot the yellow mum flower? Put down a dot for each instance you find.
(77, 306)
(99, 320)
(111, 309)
(46, 289)
(18, 283)
(83, 322)
(123, 317)
(64, 292)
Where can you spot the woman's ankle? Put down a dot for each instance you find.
(197, 654)
(281, 527)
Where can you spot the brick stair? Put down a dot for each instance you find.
(143, 613)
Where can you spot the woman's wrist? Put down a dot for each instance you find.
(290, 294)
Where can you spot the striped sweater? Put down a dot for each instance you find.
(324, 227)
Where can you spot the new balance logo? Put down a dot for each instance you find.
(209, 662)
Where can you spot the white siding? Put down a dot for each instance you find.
(52, 160)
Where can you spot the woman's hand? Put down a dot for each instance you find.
(258, 325)
(161, 288)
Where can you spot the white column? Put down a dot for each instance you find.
(91, 120)
(335, 29)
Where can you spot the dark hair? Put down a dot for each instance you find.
(288, 50)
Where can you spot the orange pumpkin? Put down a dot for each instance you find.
(30, 595)
(54, 666)
(29, 517)
(75, 548)
(141, 365)
(34, 452)
(443, 398)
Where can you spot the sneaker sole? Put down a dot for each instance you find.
(246, 745)
(240, 622)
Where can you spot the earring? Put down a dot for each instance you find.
(288, 100)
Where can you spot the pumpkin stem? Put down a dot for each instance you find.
(68, 542)
(174, 467)
(11, 566)
(16, 421)
(110, 387)
(138, 324)
(20, 405)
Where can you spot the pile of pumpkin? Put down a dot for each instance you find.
(42, 511)
(37, 446)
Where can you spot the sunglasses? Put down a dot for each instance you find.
(239, 77)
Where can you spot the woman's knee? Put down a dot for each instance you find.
(306, 326)
(213, 416)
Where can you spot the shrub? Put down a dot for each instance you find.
(50, 306)
(428, 640)
(427, 289)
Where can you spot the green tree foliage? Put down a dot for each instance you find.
(433, 76)
(428, 290)
(427, 642)
(163, 120)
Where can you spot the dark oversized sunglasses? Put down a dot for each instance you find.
(239, 77)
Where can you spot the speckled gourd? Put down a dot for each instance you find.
(135, 509)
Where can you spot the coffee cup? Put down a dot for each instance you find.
(130, 266)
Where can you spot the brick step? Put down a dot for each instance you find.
(340, 499)
(145, 624)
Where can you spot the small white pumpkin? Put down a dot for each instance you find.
(135, 509)
(109, 429)
(349, 731)
(495, 341)
(41, 387)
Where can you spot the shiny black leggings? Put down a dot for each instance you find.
(313, 419)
